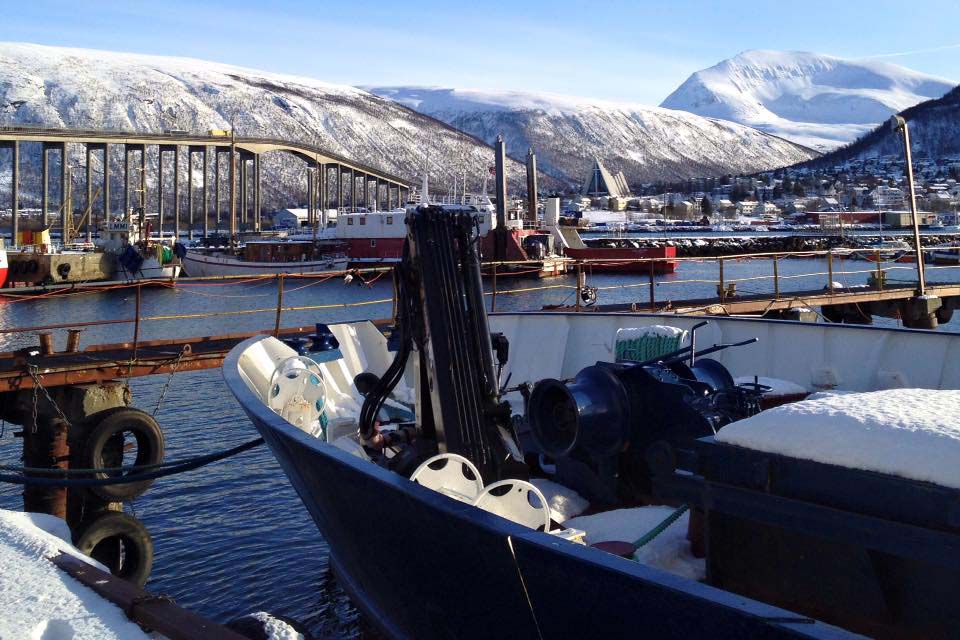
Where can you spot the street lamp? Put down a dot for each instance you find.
(898, 123)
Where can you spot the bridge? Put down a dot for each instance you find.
(333, 181)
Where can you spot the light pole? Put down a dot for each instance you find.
(898, 123)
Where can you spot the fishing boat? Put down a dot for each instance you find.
(121, 252)
(265, 256)
(945, 254)
(886, 250)
(445, 466)
(3, 264)
(615, 254)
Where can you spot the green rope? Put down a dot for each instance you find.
(660, 528)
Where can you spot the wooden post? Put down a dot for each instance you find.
(879, 272)
(653, 298)
(579, 283)
(493, 303)
(723, 290)
(276, 326)
(136, 323)
(830, 270)
(776, 278)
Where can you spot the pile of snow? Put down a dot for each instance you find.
(265, 626)
(816, 100)
(564, 503)
(669, 551)
(568, 133)
(911, 433)
(38, 600)
(778, 386)
(658, 330)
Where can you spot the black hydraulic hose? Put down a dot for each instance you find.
(374, 400)
(188, 465)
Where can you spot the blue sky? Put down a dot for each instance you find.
(638, 51)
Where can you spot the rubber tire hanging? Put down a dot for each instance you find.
(103, 448)
(135, 562)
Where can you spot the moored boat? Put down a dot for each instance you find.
(266, 256)
(622, 411)
(3, 264)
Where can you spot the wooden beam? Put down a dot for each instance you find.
(157, 613)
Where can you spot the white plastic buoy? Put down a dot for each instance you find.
(297, 393)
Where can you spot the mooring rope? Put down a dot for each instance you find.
(165, 469)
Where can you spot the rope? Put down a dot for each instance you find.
(169, 469)
(660, 528)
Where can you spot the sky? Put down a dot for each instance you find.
(633, 51)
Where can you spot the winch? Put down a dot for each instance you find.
(598, 427)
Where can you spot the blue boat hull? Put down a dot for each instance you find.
(421, 565)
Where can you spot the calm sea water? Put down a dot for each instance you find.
(234, 538)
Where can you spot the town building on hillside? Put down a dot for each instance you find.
(885, 197)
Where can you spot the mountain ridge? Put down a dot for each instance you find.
(819, 100)
(567, 132)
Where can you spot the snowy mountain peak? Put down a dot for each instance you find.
(818, 100)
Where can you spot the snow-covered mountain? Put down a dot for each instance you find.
(934, 134)
(817, 100)
(647, 143)
(60, 87)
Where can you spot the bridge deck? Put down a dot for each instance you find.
(309, 152)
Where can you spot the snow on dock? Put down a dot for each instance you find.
(37, 600)
(910, 433)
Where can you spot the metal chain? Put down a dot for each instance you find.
(166, 384)
(37, 384)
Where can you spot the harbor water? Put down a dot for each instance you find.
(233, 538)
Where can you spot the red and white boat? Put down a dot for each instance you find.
(614, 255)
(3, 265)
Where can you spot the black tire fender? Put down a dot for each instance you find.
(944, 314)
(102, 536)
(103, 447)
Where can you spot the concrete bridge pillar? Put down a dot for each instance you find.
(353, 189)
(176, 192)
(216, 185)
(45, 182)
(310, 211)
(206, 194)
(190, 193)
(126, 181)
(15, 189)
(233, 192)
(339, 188)
(256, 193)
(106, 182)
(243, 192)
(142, 191)
(324, 196)
(65, 212)
(88, 152)
(160, 185)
